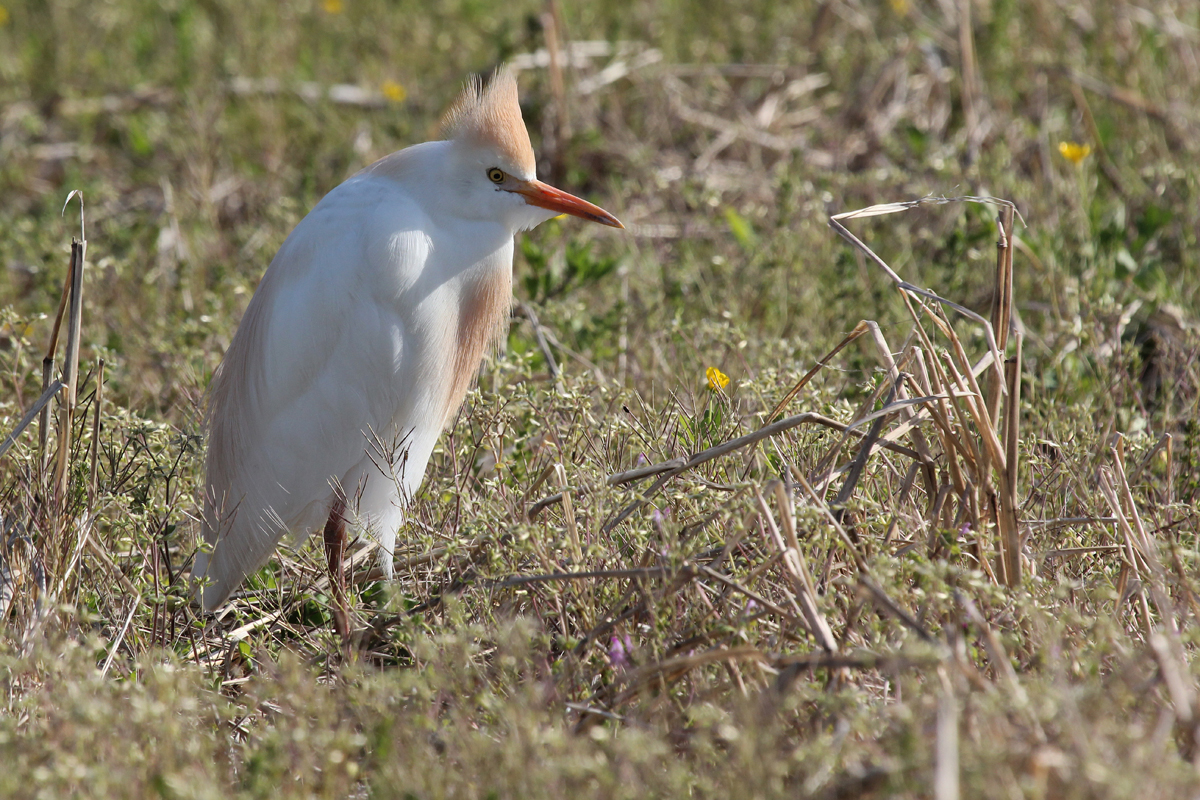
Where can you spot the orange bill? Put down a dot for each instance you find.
(545, 196)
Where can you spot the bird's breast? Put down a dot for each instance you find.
(484, 299)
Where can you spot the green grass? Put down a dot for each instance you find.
(472, 684)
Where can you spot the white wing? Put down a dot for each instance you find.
(313, 373)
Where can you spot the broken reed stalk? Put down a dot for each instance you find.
(1001, 301)
(70, 367)
(51, 351)
(969, 425)
(884, 352)
(1009, 502)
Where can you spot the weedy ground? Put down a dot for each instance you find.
(962, 562)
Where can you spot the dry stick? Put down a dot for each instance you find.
(569, 514)
(970, 81)
(1009, 525)
(72, 288)
(935, 511)
(892, 608)
(1110, 495)
(974, 403)
(553, 577)
(873, 442)
(679, 665)
(121, 636)
(999, 658)
(942, 381)
(1001, 303)
(1170, 464)
(101, 553)
(860, 459)
(941, 421)
(1163, 442)
(957, 391)
(907, 414)
(865, 580)
(858, 331)
(1179, 687)
(669, 469)
(677, 465)
(911, 423)
(1149, 549)
(1006, 521)
(941, 415)
(1166, 643)
(964, 444)
(859, 561)
(905, 488)
(794, 563)
(543, 345)
(51, 350)
(84, 524)
(824, 467)
(70, 370)
(891, 208)
(741, 588)
(34, 410)
(95, 454)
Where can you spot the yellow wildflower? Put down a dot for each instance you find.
(332, 6)
(3, 16)
(901, 7)
(717, 380)
(393, 91)
(1074, 152)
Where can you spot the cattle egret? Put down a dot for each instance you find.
(362, 339)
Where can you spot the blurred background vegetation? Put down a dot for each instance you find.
(723, 134)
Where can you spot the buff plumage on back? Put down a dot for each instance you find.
(489, 116)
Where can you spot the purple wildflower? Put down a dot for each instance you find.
(619, 648)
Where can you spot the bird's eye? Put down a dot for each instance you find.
(496, 175)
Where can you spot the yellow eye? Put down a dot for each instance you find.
(496, 175)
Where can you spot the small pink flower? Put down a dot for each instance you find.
(619, 648)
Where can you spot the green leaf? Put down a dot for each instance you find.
(742, 231)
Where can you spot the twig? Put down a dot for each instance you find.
(33, 411)
(71, 356)
(632, 572)
(112, 652)
(98, 400)
(540, 336)
(1009, 503)
(858, 331)
(676, 466)
(795, 566)
(889, 605)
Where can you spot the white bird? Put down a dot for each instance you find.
(363, 337)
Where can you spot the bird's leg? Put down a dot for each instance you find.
(335, 551)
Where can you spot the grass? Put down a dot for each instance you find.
(987, 607)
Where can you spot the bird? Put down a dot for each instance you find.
(362, 339)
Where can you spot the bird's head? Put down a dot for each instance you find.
(493, 163)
